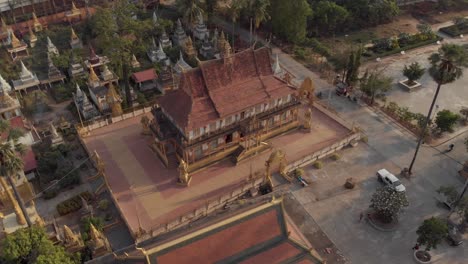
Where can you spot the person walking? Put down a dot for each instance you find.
(416, 247)
(451, 146)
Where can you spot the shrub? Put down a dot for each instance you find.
(365, 139)
(318, 47)
(335, 156)
(73, 204)
(300, 52)
(432, 232)
(318, 164)
(388, 203)
(392, 107)
(413, 72)
(50, 194)
(86, 222)
(103, 204)
(299, 172)
(446, 119)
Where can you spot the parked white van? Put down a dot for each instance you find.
(389, 179)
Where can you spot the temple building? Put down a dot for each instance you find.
(71, 241)
(27, 79)
(144, 80)
(200, 32)
(75, 41)
(223, 107)
(51, 48)
(165, 41)
(97, 92)
(114, 101)
(9, 106)
(259, 233)
(157, 54)
(180, 36)
(86, 109)
(17, 49)
(107, 76)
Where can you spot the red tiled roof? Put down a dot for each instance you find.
(29, 160)
(217, 89)
(144, 76)
(15, 122)
(277, 254)
(227, 242)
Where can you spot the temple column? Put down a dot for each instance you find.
(19, 215)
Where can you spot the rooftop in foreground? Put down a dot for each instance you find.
(147, 192)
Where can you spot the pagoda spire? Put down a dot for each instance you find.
(79, 92)
(31, 34)
(4, 85)
(155, 18)
(73, 35)
(15, 43)
(35, 20)
(3, 24)
(96, 236)
(73, 8)
(114, 100)
(276, 67)
(92, 76)
(24, 70)
(221, 41)
(70, 237)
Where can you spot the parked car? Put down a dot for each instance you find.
(389, 179)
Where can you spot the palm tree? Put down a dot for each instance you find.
(10, 164)
(233, 11)
(190, 9)
(259, 11)
(446, 67)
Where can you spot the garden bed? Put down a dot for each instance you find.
(455, 30)
(371, 55)
(73, 204)
(410, 88)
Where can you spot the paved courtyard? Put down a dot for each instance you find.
(147, 192)
(337, 210)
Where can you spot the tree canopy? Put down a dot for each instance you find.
(289, 19)
(432, 232)
(31, 245)
(413, 72)
(375, 84)
(328, 16)
(388, 203)
(448, 63)
(446, 119)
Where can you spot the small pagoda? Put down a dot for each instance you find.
(155, 19)
(98, 243)
(181, 66)
(94, 60)
(75, 68)
(166, 79)
(200, 32)
(9, 106)
(75, 41)
(32, 38)
(71, 241)
(97, 91)
(27, 79)
(51, 48)
(86, 108)
(135, 63)
(53, 73)
(73, 14)
(165, 41)
(114, 101)
(107, 76)
(4, 30)
(180, 36)
(37, 26)
(190, 49)
(17, 49)
(159, 55)
(207, 49)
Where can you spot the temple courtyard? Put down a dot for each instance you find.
(147, 193)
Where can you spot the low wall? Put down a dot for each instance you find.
(105, 121)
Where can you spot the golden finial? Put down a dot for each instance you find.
(92, 76)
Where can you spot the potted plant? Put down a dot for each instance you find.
(413, 72)
(430, 234)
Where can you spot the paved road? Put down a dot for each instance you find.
(337, 213)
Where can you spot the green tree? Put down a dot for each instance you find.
(11, 163)
(121, 36)
(388, 203)
(446, 119)
(289, 19)
(352, 68)
(31, 245)
(446, 67)
(413, 72)
(329, 16)
(190, 10)
(459, 20)
(432, 232)
(450, 192)
(375, 84)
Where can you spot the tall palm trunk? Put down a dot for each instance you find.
(423, 131)
(19, 214)
(20, 201)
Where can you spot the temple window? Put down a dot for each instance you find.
(214, 144)
(229, 138)
(242, 115)
(205, 147)
(258, 108)
(288, 99)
